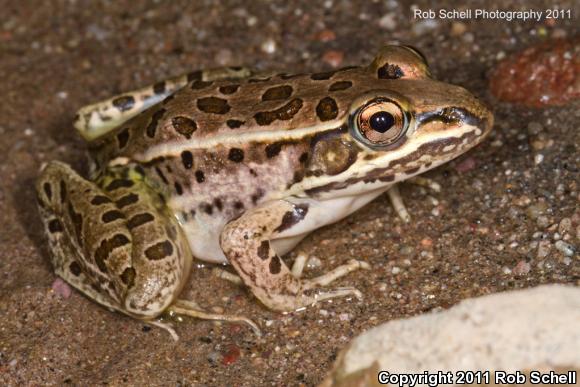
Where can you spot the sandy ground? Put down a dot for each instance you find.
(492, 228)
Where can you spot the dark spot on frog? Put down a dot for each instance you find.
(257, 196)
(159, 251)
(63, 191)
(303, 157)
(75, 268)
(199, 176)
(55, 226)
(159, 87)
(218, 204)
(290, 76)
(236, 155)
(111, 216)
(178, 188)
(152, 127)
(47, 190)
(128, 277)
(125, 200)
(277, 93)
(197, 85)
(427, 165)
(272, 150)
(238, 205)
(283, 113)
(229, 89)
(290, 218)
(327, 109)
(167, 99)
(390, 71)
(275, 265)
(340, 85)
(253, 172)
(194, 76)
(258, 80)
(100, 199)
(213, 105)
(297, 177)
(187, 159)
(139, 220)
(322, 76)
(234, 124)
(106, 248)
(124, 103)
(161, 175)
(207, 208)
(139, 169)
(123, 138)
(264, 250)
(77, 221)
(184, 126)
(412, 170)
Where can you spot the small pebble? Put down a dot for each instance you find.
(269, 46)
(534, 128)
(61, 288)
(424, 26)
(522, 268)
(543, 249)
(313, 263)
(566, 248)
(388, 22)
(458, 28)
(465, 165)
(333, 57)
(326, 36)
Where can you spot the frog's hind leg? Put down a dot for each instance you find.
(94, 120)
(117, 244)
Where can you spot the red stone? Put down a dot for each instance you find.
(545, 74)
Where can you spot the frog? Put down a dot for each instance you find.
(233, 166)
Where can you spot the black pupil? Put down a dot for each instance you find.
(382, 121)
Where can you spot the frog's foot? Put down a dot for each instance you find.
(246, 243)
(191, 309)
(94, 120)
(397, 200)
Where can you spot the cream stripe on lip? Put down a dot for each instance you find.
(398, 154)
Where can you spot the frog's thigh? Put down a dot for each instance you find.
(112, 244)
(246, 243)
(99, 118)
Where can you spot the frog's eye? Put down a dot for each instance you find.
(381, 122)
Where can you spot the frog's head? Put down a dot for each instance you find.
(402, 122)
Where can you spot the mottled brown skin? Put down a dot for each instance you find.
(239, 170)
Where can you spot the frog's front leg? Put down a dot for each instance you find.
(247, 243)
(117, 243)
(96, 119)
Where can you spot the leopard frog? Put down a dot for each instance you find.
(228, 166)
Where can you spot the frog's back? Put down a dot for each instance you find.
(204, 113)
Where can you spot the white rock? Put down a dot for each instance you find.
(532, 329)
